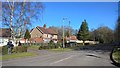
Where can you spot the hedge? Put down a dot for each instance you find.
(20, 49)
(50, 46)
(17, 49)
(4, 50)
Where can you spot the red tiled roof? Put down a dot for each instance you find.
(22, 39)
(73, 38)
(5, 32)
(50, 31)
(46, 30)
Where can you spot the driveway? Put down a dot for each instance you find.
(71, 58)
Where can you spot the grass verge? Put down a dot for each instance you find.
(61, 49)
(17, 55)
(117, 56)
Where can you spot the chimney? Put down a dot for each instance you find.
(44, 26)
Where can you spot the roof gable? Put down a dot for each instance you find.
(46, 30)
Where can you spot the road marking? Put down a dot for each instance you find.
(62, 59)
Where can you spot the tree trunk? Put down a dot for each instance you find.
(11, 19)
(25, 41)
(83, 42)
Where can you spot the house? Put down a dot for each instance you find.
(37, 40)
(22, 40)
(32, 40)
(73, 41)
(5, 34)
(46, 34)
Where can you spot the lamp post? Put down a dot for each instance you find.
(63, 32)
(69, 32)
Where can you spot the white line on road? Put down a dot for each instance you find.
(62, 59)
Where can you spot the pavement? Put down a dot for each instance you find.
(70, 58)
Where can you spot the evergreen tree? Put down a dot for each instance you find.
(83, 33)
(27, 35)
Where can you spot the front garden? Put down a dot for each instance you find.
(17, 52)
(23, 50)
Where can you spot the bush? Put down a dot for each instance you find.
(20, 49)
(51, 42)
(43, 47)
(4, 50)
(1, 50)
(56, 45)
(40, 48)
(49, 46)
(59, 45)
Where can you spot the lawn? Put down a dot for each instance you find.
(17, 55)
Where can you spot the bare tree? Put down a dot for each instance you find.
(20, 15)
(68, 31)
(103, 34)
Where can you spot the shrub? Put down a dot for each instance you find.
(46, 47)
(59, 45)
(20, 49)
(49, 46)
(0, 50)
(51, 42)
(25, 48)
(4, 50)
(43, 46)
(52, 46)
(40, 48)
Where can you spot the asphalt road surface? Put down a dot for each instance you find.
(71, 58)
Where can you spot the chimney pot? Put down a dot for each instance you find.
(44, 26)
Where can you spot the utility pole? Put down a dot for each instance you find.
(69, 31)
(63, 32)
(69, 28)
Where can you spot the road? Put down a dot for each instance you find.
(71, 58)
